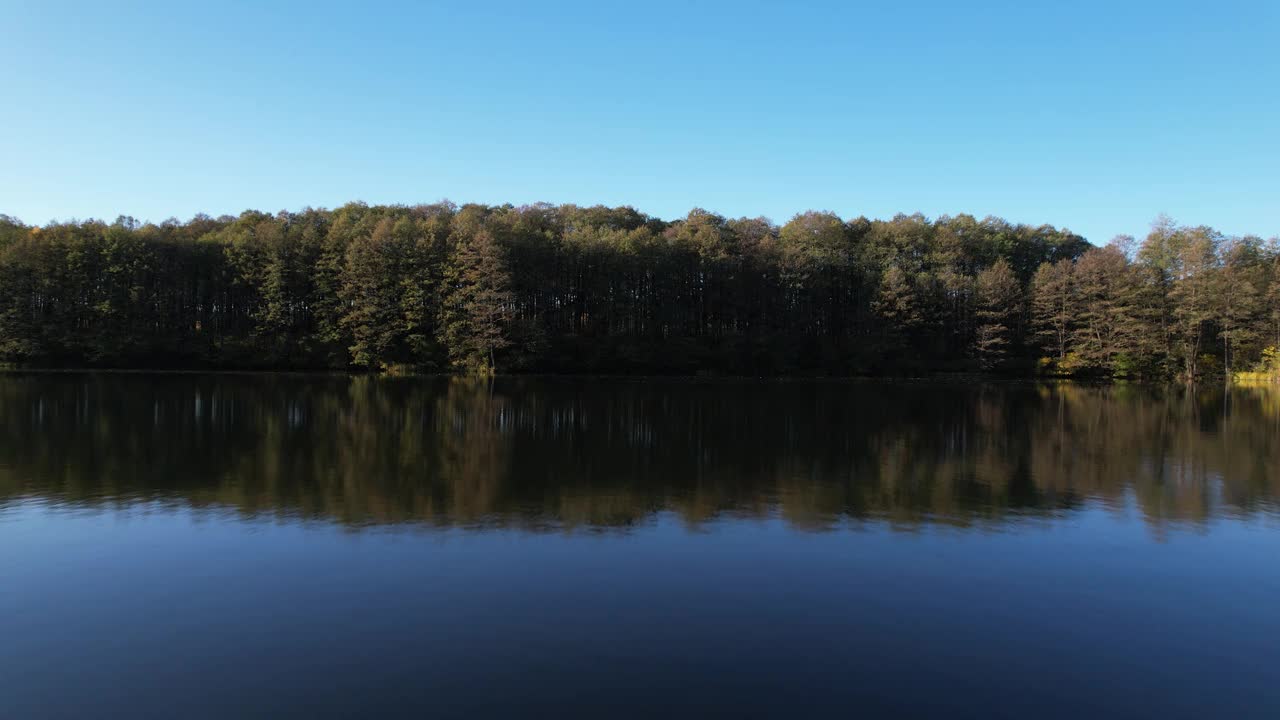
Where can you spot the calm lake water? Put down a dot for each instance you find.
(189, 546)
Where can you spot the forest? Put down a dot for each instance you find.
(566, 289)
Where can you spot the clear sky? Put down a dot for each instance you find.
(1092, 115)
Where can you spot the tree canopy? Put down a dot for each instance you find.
(562, 288)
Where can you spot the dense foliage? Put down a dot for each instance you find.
(568, 289)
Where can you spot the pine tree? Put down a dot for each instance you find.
(19, 290)
(370, 289)
(898, 306)
(1108, 319)
(999, 300)
(1192, 296)
(1273, 296)
(478, 304)
(1241, 282)
(329, 337)
(1053, 310)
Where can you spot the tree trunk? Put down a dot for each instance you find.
(1226, 357)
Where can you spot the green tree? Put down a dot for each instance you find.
(1241, 284)
(390, 288)
(999, 299)
(1109, 328)
(1192, 294)
(21, 298)
(1053, 306)
(1273, 294)
(478, 304)
(898, 309)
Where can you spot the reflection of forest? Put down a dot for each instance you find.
(555, 453)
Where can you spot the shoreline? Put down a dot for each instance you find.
(938, 378)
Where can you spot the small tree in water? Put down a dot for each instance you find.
(477, 308)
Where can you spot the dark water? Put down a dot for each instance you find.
(251, 546)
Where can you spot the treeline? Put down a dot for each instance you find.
(1186, 302)
(546, 288)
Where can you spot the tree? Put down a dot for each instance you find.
(478, 304)
(898, 308)
(1241, 281)
(1273, 294)
(389, 286)
(20, 298)
(999, 300)
(1053, 307)
(1191, 295)
(1109, 329)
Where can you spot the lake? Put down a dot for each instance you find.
(328, 546)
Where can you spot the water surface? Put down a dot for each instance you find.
(308, 546)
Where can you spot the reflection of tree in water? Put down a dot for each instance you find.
(552, 454)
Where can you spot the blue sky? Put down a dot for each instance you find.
(1092, 115)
